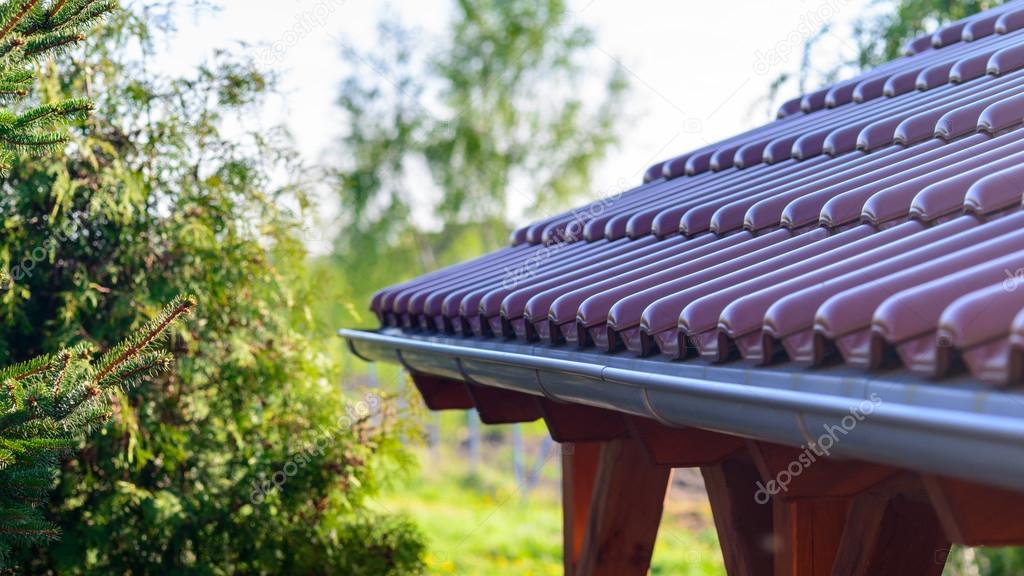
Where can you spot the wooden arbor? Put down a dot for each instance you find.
(833, 517)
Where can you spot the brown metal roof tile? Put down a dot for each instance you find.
(977, 327)
(909, 320)
(847, 318)
(791, 319)
(876, 220)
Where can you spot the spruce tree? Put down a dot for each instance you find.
(31, 30)
(47, 403)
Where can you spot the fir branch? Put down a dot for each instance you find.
(53, 114)
(82, 13)
(15, 83)
(136, 369)
(181, 306)
(129, 374)
(12, 92)
(63, 362)
(25, 8)
(21, 371)
(32, 142)
(27, 483)
(6, 160)
(10, 45)
(21, 446)
(55, 8)
(74, 15)
(51, 43)
(34, 532)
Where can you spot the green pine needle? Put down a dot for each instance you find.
(82, 13)
(145, 338)
(51, 43)
(30, 29)
(48, 403)
(52, 115)
(13, 13)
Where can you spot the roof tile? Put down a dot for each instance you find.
(877, 221)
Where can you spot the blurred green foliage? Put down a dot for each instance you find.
(250, 458)
(882, 37)
(445, 141)
(446, 137)
(879, 33)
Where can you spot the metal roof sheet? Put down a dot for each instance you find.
(876, 222)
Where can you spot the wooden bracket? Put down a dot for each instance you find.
(442, 393)
(977, 515)
(500, 406)
(579, 423)
(892, 530)
(796, 473)
(682, 447)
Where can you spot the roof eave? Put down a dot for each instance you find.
(959, 430)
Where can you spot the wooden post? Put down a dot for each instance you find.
(625, 511)
(579, 470)
(744, 526)
(807, 535)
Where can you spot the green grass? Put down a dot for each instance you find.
(481, 522)
(471, 530)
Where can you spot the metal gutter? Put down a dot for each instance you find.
(955, 428)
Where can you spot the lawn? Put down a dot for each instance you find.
(481, 522)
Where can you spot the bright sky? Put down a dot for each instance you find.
(698, 68)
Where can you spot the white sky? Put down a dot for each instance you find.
(697, 67)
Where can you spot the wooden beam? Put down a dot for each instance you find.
(578, 423)
(744, 526)
(500, 406)
(795, 473)
(892, 531)
(579, 471)
(625, 511)
(442, 393)
(977, 515)
(682, 447)
(810, 496)
(807, 535)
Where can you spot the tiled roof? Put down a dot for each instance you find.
(876, 222)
